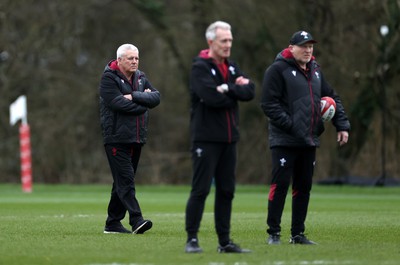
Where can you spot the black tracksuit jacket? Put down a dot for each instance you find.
(123, 120)
(215, 116)
(291, 100)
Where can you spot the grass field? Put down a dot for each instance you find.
(63, 224)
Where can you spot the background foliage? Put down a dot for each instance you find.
(55, 51)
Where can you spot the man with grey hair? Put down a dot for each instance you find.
(126, 95)
(216, 86)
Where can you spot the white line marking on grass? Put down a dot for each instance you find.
(115, 263)
(55, 216)
(309, 262)
(323, 262)
(62, 216)
(222, 263)
(169, 214)
(303, 262)
(82, 215)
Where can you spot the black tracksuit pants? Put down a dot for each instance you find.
(212, 161)
(298, 164)
(123, 160)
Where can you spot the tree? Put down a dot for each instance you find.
(55, 51)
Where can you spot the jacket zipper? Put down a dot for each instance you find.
(135, 86)
(137, 130)
(312, 105)
(312, 110)
(228, 121)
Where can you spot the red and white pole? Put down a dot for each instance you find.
(25, 154)
(18, 111)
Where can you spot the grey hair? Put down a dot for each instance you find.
(210, 32)
(125, 47)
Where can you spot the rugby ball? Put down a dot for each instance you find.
(328, 108)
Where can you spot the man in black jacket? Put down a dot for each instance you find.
(125, 98)
(217, 85)
(292, 89)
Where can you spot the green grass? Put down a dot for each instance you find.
(62, 224)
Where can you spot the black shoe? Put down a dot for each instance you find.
(118, 229)
(301, 239)
(142, 226)
(274, 239)
(232, 248)
(192, 246)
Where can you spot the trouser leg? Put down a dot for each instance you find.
(224, 193)
(116, 210)
(203, 162)
(282, 167)
(123, 160)
(301, 188)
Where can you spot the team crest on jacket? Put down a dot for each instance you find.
(213, 71)
(232, 69)
(294, 73)
(199, 151)
(317, 74)
(122, 80)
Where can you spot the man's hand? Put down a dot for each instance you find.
(223, 88)
(242, 81)
(342, 137)
(128, 96)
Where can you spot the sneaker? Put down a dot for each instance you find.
(118, 229)
(274, 239)
(192, 246)
(142, 226)
(232, 248)
(301, 239)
